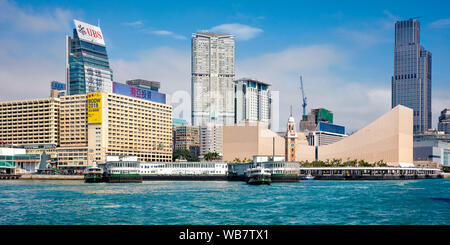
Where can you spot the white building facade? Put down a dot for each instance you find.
(211, 139)
(252, 101)
(212, 88)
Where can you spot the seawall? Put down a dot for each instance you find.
(52, 177)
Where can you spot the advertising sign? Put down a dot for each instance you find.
(58, 86)
(332, 128)
(89, 33)
(94, 107)
(124, 89)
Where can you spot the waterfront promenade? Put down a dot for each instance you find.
(51, 177)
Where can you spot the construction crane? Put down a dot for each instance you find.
(303, 97)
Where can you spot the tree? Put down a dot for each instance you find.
(185, 154)
(237, 159)
(211, 156)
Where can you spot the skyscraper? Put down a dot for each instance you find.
(252, 101)
(411, 82)
(444, 121)
(212, 87)
(87, 65)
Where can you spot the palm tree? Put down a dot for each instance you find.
(211, 156)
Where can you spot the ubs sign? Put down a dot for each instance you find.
(90, 33)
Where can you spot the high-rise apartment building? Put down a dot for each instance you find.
(212, 87)
(211, 138)
(444, 121)
(252, 101)
(87, 64)
(187, 138)
(411, 82)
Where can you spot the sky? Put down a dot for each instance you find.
(342, 49)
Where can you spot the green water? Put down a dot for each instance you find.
(43, 202)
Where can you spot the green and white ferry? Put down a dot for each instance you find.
(280, 171)
(119, 169)
(184, 170)
(258, 176)
(93, 175)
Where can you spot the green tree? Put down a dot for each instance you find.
(185, 154)
(211, 156)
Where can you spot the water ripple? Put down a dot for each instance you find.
(47, 202)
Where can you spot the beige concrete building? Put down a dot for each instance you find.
(99, 124)
(187, 138)
(249, 139)
(389, 138)
(29, 122)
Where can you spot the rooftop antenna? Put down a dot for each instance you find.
(417, 17)
(291, 111)
(303, 97)
(98, 22)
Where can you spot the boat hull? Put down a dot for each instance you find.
(123, 178)
(94, 178)
(259, 180)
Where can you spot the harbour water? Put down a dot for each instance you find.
(73, 202)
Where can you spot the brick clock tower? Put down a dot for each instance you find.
(291, 140)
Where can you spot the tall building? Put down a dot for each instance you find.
(211, 138)
(252, 101)
(411, 82)
(212, 87)
(87, 64)
(444, 121)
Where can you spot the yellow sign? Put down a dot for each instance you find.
(94, 107)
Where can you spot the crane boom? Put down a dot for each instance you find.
(303, 97)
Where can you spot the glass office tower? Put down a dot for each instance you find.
(87, 65)
(411, 82)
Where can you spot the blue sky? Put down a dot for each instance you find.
(343, 49)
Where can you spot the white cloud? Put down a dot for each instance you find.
(169, 66)
(28, 21)
(133, 24)
(29, 77)
(440, 101)
(391, 16)
(168, 33)
(367, 34)
(442, 23)
(242, 32)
